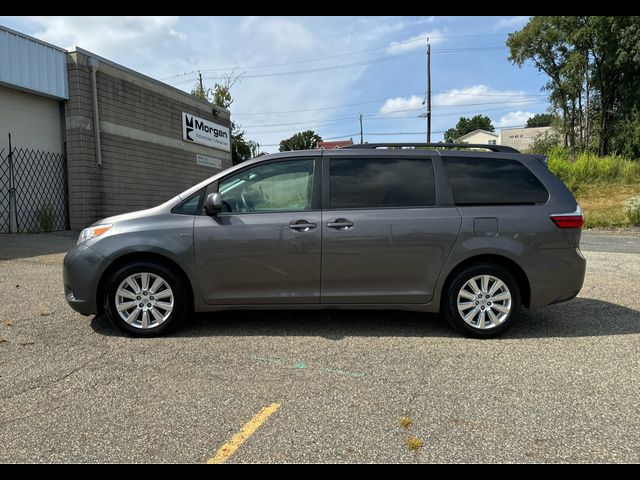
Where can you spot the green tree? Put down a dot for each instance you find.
(468, 125)
(593, 67)
(540, 120)
(242, 149)
(301, 141)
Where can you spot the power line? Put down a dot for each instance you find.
(346, 54)
(348, 65)
(376, 115)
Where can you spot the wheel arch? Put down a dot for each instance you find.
(129, 258)
(502, 261)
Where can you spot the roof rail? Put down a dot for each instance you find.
(493, 148)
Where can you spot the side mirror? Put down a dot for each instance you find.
(213, 203)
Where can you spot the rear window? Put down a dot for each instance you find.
(491, 181)
(381, 182)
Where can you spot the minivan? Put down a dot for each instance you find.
(474, 232)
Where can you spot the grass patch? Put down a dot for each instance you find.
(406, 422)
(601, 184)
(414, 443)
(603, 204)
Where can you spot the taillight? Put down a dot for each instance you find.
(569, 220)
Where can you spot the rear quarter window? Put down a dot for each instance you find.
(493, 181)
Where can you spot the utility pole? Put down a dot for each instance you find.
(200, 79)
(361, 131)
(428, 91)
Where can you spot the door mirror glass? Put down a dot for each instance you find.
(213, 203)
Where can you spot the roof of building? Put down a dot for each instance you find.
(332, 145)
(477, 130)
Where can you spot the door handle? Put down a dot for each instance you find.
(340, 224)
(302, 226)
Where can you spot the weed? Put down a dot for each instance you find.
(406, 422)
(414, 443)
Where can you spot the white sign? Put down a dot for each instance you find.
(206, 161)
(204, 132)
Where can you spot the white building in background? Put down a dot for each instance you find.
(480, 137)
(522, 138)
(518, 138)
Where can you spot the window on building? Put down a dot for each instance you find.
(492, 142)
(489, 181)
(381, 182)
(280, 186)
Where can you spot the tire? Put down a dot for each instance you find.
(155, 316)
(500, 309)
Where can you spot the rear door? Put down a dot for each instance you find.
(384, 237)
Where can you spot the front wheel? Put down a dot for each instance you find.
(482, 301)
(145, 299)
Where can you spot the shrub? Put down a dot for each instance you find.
(46, 218)
(632, 209)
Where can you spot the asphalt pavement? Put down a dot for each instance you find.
(561, 386)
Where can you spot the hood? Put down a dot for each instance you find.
(140, 213)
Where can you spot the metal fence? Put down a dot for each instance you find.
(33, 191)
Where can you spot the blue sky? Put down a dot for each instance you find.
(322, 72)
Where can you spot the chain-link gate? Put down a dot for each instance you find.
(5, 222)
(39, 180)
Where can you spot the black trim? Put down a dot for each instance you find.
(493, 148)
(200, 192)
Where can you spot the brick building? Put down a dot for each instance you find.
(60, 171)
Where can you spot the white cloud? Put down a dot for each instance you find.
(514, 119)
(286, 33)
(479, 95)
(401, 104)
(415, 42)
(511, 22)
(106, 35)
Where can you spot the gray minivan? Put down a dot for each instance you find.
(468, 233)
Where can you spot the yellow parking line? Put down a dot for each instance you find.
(229, 448)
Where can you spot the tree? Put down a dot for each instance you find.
(242, 149)
(540, 120)
(468, 125)
(592, 63)
(301, 141)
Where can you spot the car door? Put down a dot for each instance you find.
(264, 247)
(385, 238)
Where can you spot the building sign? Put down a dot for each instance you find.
(206, 161)
(201, 131)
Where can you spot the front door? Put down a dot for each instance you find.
(264, 247)
(384, 239)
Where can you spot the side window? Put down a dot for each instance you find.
(381, 182)
(285, 186)
(192, 205)
(492, 181)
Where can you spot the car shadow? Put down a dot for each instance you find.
(26, 245)
(581, 317)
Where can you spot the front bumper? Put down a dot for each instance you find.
(82, 270)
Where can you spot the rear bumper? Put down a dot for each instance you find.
(82, 270)
(557, 277)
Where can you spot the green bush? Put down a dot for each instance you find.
(588, 168)
(632, 209)
(46, 218)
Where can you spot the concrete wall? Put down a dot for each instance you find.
(521, 138)
(33, 121)
(145, 160)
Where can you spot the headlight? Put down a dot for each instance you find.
(89, 233)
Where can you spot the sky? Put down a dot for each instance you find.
(321, 73)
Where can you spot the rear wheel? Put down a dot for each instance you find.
(145, 299)
(482, 301)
